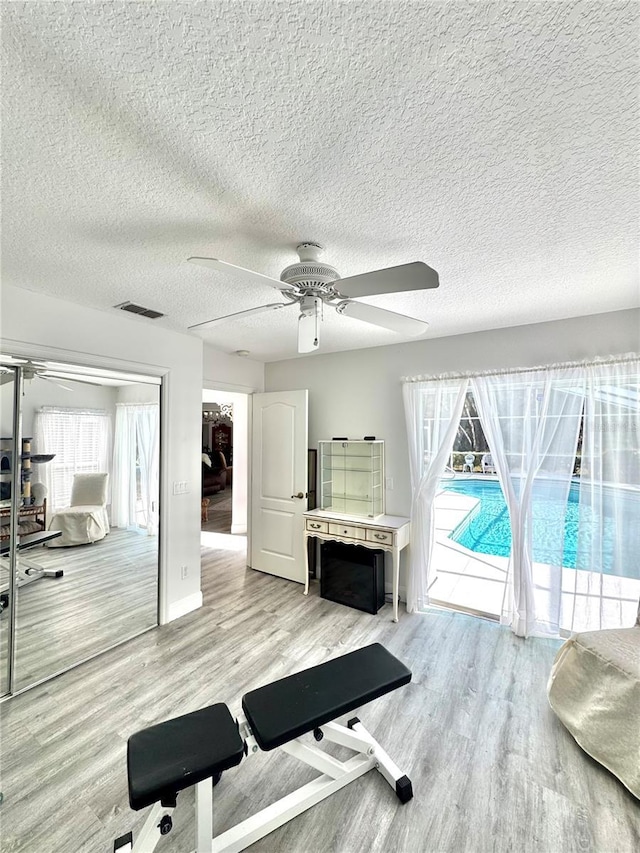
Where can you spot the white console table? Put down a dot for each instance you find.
(388, 532)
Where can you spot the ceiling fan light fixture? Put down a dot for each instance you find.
(309, 323)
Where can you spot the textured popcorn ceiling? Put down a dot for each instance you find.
(498, 142)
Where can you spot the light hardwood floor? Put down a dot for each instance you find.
(492, 768)
(109, 590)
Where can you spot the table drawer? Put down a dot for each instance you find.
(317, 526)
(347, 530)
(384, 537)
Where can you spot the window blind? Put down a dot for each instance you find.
(81, 441)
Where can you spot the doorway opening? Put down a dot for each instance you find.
(224, 484)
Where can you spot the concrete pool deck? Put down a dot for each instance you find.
(475, 582)
(464, 579)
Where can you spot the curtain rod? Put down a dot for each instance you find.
(69, 410)
(625, 358)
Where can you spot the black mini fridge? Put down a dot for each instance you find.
(352, 575)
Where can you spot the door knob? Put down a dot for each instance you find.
(299, 495)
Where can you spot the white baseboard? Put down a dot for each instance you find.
(238, 529)
(184, 606)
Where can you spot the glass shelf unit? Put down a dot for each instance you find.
(352, 477)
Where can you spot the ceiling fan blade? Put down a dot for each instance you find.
(68, 377)
(309, 324)
(223, 266)
(413, 276)
(18, 361)
(54, 381)
(6, 377)
(381, 317)
(273, 306)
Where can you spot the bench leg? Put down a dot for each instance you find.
(35, 572)
(204, 816)
(30, 571)
(27, 571)
(398, 780)
(157, 824)
(334, 775)
(251, 830)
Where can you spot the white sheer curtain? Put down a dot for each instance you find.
(604, 589)
(531, 421)
(81, 442)
(432, 412)
(148, 431)
(136, 467)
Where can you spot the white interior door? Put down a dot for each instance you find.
(279, 483)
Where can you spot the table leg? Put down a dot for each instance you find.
(396, 579)
(306, 564)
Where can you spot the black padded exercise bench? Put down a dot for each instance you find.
(196, 748)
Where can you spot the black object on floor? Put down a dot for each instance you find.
(352, 575)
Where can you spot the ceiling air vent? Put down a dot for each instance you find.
(138, 309)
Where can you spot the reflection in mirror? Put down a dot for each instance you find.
(94, 454)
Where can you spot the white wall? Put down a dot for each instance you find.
(43, 327)
(138, 394)
(359, 393)
(231, 372)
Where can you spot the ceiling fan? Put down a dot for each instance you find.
(37, 370)
(311, 284)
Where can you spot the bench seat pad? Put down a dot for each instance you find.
(164, 759)
(290, 707)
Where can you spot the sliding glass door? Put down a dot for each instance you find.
(536, 518)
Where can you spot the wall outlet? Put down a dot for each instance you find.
(184, 571)
(389, 483)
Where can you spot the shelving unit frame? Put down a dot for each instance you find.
(352, 480)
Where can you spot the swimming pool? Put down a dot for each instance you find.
(486, 529)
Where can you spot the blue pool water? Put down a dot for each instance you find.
(486, 530)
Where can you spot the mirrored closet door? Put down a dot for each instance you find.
(9, 500)
(87, 516)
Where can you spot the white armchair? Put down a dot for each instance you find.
(469, 462)
(85, 520)
(487, 464)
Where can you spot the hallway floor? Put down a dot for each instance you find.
(219, 513)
